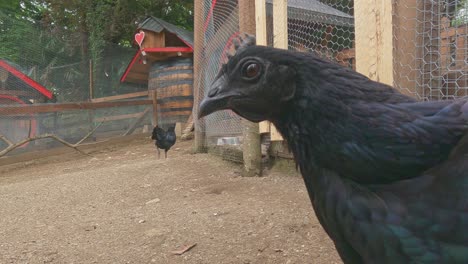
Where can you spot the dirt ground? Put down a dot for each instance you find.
(121, 204)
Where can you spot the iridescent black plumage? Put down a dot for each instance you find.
(387, 175)
(164, 140)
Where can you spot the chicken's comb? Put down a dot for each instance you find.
(241, 42)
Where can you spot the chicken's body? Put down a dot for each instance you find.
(164, 140)
(387, 175)
(383, 201)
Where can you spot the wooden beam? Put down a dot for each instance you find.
(170, 49)
(260, 23)
(154, 99)
(91, 81)
(280, 24)
(198, 74)
(374, 39)
(280, 41)
(34, 109)
(120, 97)
(261, 40)
(91, 94)
(118, 117)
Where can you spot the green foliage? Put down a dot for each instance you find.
(59, 38)
(461, 14)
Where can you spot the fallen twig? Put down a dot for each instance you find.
(14, 146)
(184, 249)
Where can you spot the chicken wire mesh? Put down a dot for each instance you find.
(41, 65)
(323, 27)
(431, 48)
(223, 129)
(72, 126)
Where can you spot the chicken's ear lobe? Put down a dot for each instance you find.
(287, 86)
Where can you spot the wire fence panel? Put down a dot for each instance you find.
(42, 66)
(313, 26)
(72, 126)
(322, 27)
(220, 27)
(431, 48)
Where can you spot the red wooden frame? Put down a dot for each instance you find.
(26, 79)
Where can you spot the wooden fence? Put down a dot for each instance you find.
(32, 112)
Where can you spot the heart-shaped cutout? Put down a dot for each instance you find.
(139, 37)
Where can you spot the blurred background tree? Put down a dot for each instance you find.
(59, 37)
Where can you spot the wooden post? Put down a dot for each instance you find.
(261, 39)
(374, 39)
(91, 83)
(153, 96)
(198, 91)
(91, 91)
(252, 152)
(280, 40)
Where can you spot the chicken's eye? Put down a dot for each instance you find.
(251, 70)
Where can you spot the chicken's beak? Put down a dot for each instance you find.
(218, 98)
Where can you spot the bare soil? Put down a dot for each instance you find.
(123, 205)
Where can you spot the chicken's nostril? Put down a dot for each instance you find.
(213, 92)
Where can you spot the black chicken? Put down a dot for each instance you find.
(164, 140)
(387, 175)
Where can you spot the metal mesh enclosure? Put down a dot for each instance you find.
(431, 48)
(41, 67)
(221, 26)
(324, 27)
(59, 64)
(72, 126)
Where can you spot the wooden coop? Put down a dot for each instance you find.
(164, 61)
(17, 88)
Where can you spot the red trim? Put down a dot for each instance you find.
(130, 65)
(26, 79)
(210, 13)
(13, 98)
(32, 129)
(151, 50)
(169, 49)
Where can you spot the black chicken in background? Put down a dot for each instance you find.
(164, 140)
(387, 175)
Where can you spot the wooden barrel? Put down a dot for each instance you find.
(173, 81)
